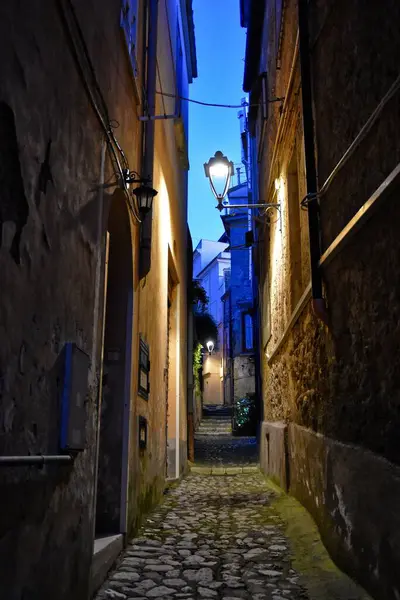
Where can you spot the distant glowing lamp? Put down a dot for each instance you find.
(210, 346)
(219, 171)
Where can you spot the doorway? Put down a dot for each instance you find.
(112, 475)
(173, 456)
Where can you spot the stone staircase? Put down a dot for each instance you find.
(216, 422)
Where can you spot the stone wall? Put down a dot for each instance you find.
(351, 493)
(340, 382)
(243, 376)
(48, 256)
(53, 221)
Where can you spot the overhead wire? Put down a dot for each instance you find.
(78, 45)
(216, 105)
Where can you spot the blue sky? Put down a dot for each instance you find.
(220, 44)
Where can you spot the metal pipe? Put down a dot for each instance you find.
(361, 135)
(149, 132)
(361, 217)
(250, 206)
(311, 170)
(157, 117)
(39, 460)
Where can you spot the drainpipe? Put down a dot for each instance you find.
(36, 460)
(149, 133)
(311, 171)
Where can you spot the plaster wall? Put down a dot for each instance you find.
(56, 260)
(212, 393)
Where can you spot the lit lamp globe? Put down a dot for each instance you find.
(219, 171)
(210, 346)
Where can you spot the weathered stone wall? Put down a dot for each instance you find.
(243, 376)
(47, 298)
(341, 382)
(363, 297)
(353, 496)
(51, 255)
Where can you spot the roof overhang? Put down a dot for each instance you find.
(253, 43)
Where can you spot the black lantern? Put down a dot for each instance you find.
(219, 171)
(144, 196)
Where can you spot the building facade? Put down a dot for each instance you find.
(239, 340)
(211, 261)
(93, 308)
(324, 121)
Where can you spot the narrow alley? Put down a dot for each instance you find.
(216, 448)
(230, 536)
(199, 314)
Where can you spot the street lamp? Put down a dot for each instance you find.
(144, 194)
(219, 171)
(210, 346)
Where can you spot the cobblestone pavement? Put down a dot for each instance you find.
(225, 450)
(213, 537)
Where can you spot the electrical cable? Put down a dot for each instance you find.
(361, 135)
(170, 42)
(104, 118)
(159, 79)
(201, 103)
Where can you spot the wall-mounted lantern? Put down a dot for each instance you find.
(144, 194)
(144, 197)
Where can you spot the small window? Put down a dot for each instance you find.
(247, 324)
(128, 22)
(144, 370)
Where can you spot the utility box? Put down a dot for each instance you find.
(73, 411)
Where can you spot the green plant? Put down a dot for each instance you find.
(197, 365)
(197, 294)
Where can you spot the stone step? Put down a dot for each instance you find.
(217, 411)
(213, 430)
(220, 428)
(217, 421)
(221, 434)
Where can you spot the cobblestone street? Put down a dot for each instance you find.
(226, 451)
(216, 447)
(227, 537)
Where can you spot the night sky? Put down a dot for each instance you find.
(220, 45)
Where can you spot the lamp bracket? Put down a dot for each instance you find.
(266, 206)
(133, 177)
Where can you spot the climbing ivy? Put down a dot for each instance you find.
(197, 365)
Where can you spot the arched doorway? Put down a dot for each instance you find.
(115, 402)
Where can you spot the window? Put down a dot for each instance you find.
(247, 330)
(144, 370)
(128, 22)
